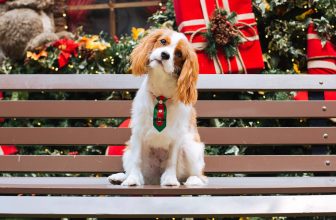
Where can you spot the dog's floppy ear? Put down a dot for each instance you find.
(186, 84)
(140, 54)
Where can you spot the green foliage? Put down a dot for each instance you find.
(282, 25)
(99, 55)
(165, 17)
(328, 9)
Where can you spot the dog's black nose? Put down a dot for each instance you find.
(165, 56)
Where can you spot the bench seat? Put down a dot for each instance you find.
(216, 186)
(141, 207)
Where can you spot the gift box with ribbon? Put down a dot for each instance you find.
(193, 18)
(321, 60)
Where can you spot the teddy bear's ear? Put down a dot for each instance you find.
(33, 4)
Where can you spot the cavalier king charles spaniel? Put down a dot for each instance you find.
(165, 146)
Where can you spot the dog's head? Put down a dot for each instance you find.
(170, 51)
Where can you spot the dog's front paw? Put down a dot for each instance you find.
(195, 181)
(117, 178)
(168, 179)
(134, 180)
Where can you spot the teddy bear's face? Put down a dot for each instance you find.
(32, 4)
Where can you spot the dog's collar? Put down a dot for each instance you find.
(157, 97)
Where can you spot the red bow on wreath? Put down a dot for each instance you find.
(68, 48)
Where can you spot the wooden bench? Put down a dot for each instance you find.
(233, 195)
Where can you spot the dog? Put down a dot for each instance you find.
(165, 147)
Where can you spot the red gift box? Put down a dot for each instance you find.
(321, 60)
(192, 17)
(8, 150)
(118, 150)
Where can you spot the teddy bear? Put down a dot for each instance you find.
(25, 25)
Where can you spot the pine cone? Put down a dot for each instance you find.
(222, 30)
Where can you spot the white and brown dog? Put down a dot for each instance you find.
(165, 146)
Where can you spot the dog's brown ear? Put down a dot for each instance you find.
(186, 84)
(140, 54)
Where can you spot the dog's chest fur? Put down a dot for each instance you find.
(154, 164)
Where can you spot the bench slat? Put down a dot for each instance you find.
(215, 136)
(205, 109)
(216, 186)
(207, 82)
(226, 164)
(141, 207)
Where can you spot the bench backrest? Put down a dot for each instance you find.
(252, 137)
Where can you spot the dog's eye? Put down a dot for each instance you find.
(163, 41)
(178, 54)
